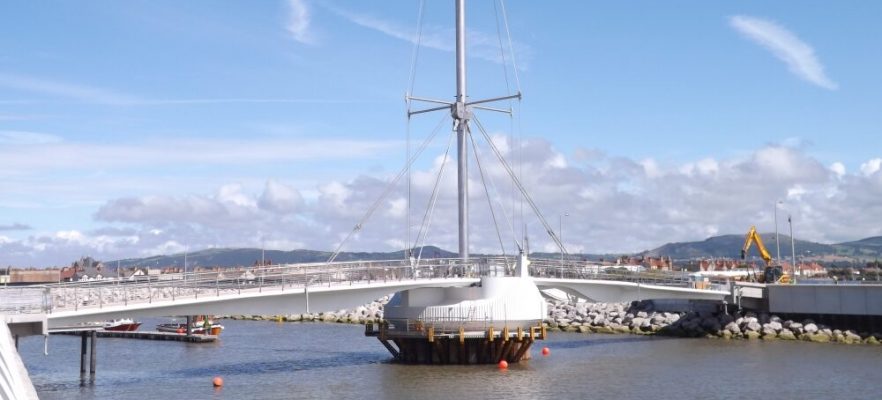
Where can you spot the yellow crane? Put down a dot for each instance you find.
(771, 274)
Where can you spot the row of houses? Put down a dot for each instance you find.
(89, 269)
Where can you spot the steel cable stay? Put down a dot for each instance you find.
(430, 208)
(407, 100)
(520, 186)
(514, 63)
(388, 188)
(490, 201)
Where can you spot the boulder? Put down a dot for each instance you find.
(603, 329)
(637, 322)
(732, 327)
(753, 326)
(752, 335)
(769, 333)
(817, 337)
(786, 334)
(810, 328)
(851, 337)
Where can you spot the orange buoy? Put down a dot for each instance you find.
(180, 330)
(217, 381)
(545, 351)
(503, 364)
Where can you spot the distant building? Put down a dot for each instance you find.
(33, 276)
(88, 269)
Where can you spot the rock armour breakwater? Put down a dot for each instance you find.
(639, 318)
(635, 318)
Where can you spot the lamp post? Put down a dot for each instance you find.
(777, 244)
(792, 247)
(560, 229)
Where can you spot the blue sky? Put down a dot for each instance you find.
(137, 128)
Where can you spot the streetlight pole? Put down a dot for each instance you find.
(777, 243)
(792, 247)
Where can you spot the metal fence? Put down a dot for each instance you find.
(23, 300)
(193, 285)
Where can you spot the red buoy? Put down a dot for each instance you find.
(545, 351)
(180, 330)
(217, 381)
(503, 364)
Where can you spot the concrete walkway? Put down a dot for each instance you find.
(14, 381)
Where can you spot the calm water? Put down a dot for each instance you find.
(266, 360)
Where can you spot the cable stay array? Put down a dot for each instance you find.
(462, 112)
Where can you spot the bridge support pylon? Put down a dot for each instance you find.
(423, 345)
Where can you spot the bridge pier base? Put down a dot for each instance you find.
(426, 347)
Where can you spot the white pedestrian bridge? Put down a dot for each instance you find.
(313, 287)
(289, 289)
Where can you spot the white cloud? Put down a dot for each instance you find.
(67, 90)
(838, 168)
(799, 56)
(299, 20)
(27, 138)
(615, 204)
(480, 44)
(871, 167)
(56, 155)
(280, 198)
(15, 227)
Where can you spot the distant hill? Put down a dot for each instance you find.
(729, 246)
(725, 246)
(869, 248)
(247, 256)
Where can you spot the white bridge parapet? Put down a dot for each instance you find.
(297, 288)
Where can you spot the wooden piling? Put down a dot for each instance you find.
(83, 344)
(93, 358)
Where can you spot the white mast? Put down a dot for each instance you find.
(461, 123)
(461, 112)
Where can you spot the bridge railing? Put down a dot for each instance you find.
(193, 285)
(24, 300)
(582, 270)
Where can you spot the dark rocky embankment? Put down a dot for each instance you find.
(638, 318)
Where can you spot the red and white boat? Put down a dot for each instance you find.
(122, 325)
